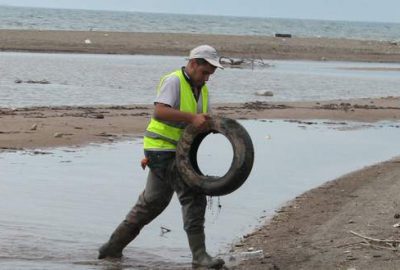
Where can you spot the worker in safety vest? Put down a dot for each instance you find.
(182, 99)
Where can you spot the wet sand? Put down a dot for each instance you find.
(42, 127)
(180, 44)
(348, 223)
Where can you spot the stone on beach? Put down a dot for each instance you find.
(34, 127)
(57, 135)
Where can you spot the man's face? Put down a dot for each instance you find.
(201, 73)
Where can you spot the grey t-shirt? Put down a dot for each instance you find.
(170, 94)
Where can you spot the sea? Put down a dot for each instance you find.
(123, 21)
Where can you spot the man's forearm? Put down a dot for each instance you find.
(167, 113)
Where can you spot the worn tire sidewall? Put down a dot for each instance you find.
(242, 161)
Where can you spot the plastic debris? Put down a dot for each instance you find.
(34, 127)
(254, 254)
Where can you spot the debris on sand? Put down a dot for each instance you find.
(243, 62)
(34, 127)
(57, 135)
(258, 106)
(44, 81)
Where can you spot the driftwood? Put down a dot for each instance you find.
(283, 35)
(242, 62)
(44, 81)
(379, 243)
(230, 61)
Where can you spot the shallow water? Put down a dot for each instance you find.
(82, 79)
(58, 207)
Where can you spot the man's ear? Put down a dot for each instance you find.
(192, 63)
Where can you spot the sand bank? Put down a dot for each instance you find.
(42, 127)
(180, 44)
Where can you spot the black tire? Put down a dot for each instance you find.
(242, 162)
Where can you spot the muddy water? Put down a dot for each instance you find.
(59, 205)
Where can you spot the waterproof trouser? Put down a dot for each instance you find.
(162, 181)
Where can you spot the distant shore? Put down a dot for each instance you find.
(179, 44)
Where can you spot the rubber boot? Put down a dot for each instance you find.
(201, 259)
(119, 239)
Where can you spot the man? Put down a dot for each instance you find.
(182, 99)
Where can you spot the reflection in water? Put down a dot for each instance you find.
(58, 208)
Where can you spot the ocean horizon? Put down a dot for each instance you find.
(18, 18)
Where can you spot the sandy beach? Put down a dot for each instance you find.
(345, 224)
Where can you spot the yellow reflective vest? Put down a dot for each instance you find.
(164, 135)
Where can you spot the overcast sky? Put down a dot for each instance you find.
(349, 10)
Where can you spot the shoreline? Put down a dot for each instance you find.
(310, 232)
(295, 48)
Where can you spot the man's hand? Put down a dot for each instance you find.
(199, 121)
(165, 112)
(144, 162)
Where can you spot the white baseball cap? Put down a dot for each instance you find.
(206, 52)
